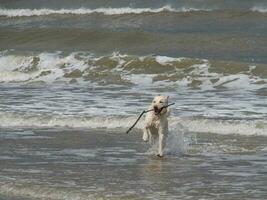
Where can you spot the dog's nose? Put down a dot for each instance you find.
(155, 107)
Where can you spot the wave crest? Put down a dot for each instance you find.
(242, 127)
(128, 70)
(261, 9)
(87, 11)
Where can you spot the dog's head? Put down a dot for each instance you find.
(158, 103)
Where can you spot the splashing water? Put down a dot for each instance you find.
(176, 143)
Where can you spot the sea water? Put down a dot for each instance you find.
(74, 76)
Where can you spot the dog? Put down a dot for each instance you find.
(156, 123)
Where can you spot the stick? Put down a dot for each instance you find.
(145, 111)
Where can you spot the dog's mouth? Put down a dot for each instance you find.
(157, 110)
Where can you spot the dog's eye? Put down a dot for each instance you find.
(154, 101)
(161, 102)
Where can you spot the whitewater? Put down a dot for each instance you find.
(97, 90)
(112, 11)
(86, 11)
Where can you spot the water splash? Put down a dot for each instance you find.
(176, 143)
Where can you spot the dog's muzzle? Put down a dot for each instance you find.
(157, 110)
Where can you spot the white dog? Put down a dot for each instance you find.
(156, 123)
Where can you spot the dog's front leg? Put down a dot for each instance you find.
(162, 141)
(146, 134)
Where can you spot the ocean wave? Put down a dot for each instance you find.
(261, 9)
(86, 11)
(109, 11)
(240, 127)
(129, 70)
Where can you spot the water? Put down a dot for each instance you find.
(104, 164)
(75, 76)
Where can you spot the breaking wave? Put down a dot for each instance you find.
(127, 70)
(198, 125)
(86, 11)
(261, 9)
(108, 11)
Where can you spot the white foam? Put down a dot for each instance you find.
(16, 76)
(200, 73)
(225, 127)
(51, 67)
(261, 9)
(240, 127)
(11, 120)
(85, 11)
(163, 60)
(12, 67)
(141, 80)
(12, 62)
(238, 81)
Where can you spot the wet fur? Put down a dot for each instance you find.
(156, 124)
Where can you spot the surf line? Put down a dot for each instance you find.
(146, 111)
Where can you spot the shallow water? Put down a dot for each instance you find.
(108, 164)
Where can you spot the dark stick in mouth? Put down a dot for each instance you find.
(145, 111)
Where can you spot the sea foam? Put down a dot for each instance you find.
(224, 127)
(144, 71)
(86, 11)
(261, 9)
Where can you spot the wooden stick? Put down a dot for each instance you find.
(145, 111)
